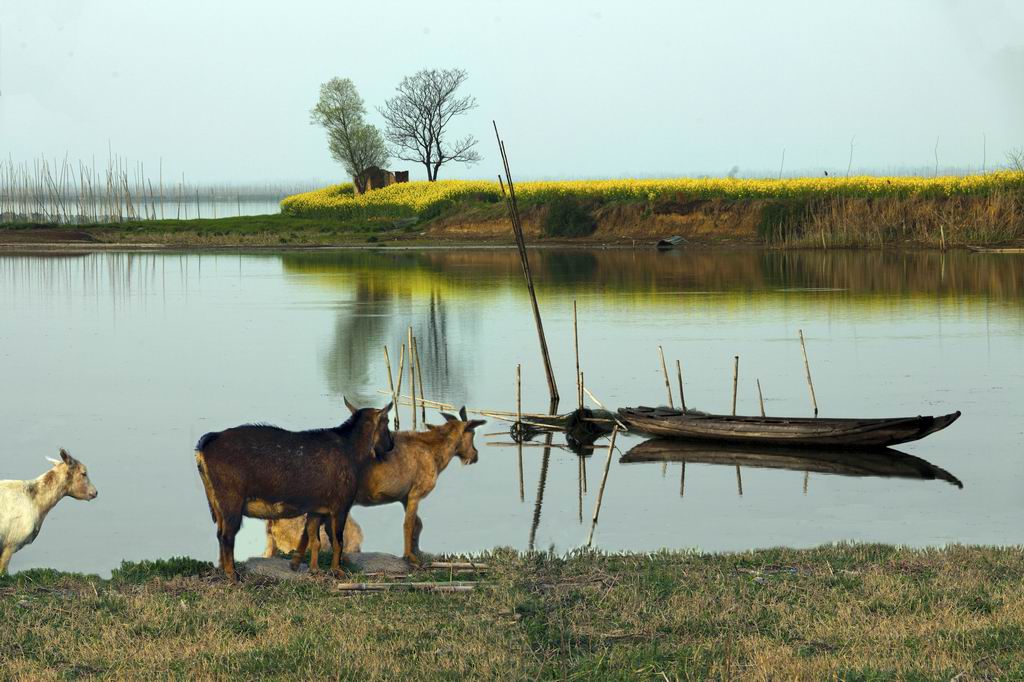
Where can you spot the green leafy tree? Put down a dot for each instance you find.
(353, 142)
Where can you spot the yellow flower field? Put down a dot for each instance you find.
(428, 198)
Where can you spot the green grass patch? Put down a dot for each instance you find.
(854, 612)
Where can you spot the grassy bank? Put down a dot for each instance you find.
(830, 212)
(803, 212)
(259, 230)
(862, 612)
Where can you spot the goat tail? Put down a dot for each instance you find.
(206, 439)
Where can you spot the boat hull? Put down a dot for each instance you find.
(795, 431)
(877, 462)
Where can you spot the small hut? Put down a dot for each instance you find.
(378, 178)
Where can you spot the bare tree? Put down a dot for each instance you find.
(1015, 159)
(353, 142)
(418, 116)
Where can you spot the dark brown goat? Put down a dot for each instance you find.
(269, 473)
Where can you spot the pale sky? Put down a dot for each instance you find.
(222, 90)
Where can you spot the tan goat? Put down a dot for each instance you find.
(283, 535)
(410, 472)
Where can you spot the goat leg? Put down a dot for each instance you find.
(313, 522)
(411, 505)
(338, 520)
(299, 553)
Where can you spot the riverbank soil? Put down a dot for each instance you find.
(860, 612)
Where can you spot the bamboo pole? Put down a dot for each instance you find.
(807, 369)
(419, 378)
(401, 375)
(576, 348)
(161, 188)
(682, 396)
(519, 427)
(455, 586)
(664, 371)
(583, 471)
(735, 381)
(601, 405)
(517, 228)
(760, 397)
(682, 479)
(458, 565)
(412, 377)
(541, 484)
(579, 487)
(391, 384)
(600, 490)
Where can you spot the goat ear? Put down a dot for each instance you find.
(351, 408)
(449, 417)
(68, 459)
(462, 413)
(471, 426)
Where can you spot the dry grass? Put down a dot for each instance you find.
(996, 218)
(861, 612)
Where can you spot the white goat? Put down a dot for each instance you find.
(24, 504)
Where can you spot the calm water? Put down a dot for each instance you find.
(126, 359)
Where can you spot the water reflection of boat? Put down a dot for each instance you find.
(789, 431)
(885, 463)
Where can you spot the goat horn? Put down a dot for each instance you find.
(52, 460)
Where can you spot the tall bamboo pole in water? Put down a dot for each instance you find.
(576, 348)
(664, 371)
(517, 228)
(391, 384)
(682, 396)
(401, 375)
(519, 426)
(807, 369)
(412, 379)
(735, 381)
(604, 479)
(760, 398)
(419, 379)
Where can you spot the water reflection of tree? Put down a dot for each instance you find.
(377, 316)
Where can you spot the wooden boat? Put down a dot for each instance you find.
(670, 242)
(996, 249)
(840, 433)
(886, 462)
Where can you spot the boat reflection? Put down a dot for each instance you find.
(887, 463)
